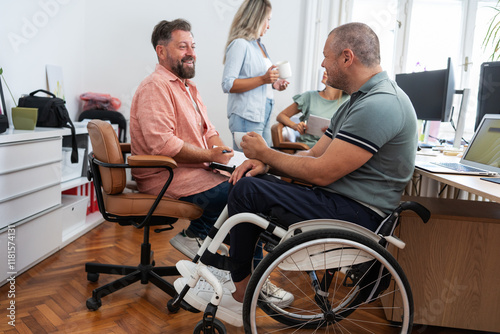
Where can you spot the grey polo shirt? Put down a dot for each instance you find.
(380, 119)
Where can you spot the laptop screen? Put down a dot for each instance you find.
(484, 148)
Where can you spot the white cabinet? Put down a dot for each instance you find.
(30, 174)
(33, 241)
(19, 208)
(75, 220)
(41, 221)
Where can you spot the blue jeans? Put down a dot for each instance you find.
(212, 201)
(239, 124)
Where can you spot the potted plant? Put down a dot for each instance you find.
(492, 37)
(22, 118)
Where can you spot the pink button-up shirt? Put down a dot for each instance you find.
(162, 118)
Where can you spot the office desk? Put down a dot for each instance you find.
(452, 262)
(471, 184)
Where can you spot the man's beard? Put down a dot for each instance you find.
(181, 71)
(337, 80)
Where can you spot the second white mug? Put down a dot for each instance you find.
(284, 69)
(238, 136)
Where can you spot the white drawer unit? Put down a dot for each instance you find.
(29, 153)
(73, 215)
(30, 176)
(32, 241)
(31, 203)
(27, 180)
(21, 207)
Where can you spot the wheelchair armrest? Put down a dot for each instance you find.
(151, 160)
(288, 178)
(389, 223)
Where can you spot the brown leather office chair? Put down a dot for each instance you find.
(107, 170)
(281, 144)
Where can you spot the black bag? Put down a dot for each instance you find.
(52, 113)
(4, 123)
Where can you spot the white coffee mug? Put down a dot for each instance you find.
(238, 136)
(284, 69)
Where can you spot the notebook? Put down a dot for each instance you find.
(482, 157)
(315, 124)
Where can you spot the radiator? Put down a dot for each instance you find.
(423, 186)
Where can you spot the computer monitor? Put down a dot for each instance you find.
(488, 95)
(430, 92)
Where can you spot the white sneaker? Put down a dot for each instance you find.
(229, 310)
(277, 296)
(186, 245)
(186, 268)
(190, 246)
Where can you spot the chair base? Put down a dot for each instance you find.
(145, 272)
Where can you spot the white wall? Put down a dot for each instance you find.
(104, 46)
(36, 33)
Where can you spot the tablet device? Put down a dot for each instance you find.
(491, 179)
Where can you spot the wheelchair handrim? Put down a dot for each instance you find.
(349, 243)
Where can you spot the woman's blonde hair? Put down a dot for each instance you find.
(248, 21)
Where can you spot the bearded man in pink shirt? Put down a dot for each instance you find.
(168, 118)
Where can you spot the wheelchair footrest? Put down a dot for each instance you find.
(188, 307)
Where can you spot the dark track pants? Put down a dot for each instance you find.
(260, 194)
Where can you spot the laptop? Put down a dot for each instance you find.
(482, 157)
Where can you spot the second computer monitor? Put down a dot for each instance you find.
(430, 92)
(488, 97)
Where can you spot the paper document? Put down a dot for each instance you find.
(237, 159)
(315, 124)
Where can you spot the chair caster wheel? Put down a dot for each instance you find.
(93, 304)
(218, 328)
(93, 277)
(171, 308)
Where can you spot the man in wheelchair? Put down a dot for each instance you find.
(358, 169)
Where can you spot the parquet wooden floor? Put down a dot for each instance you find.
(50, 297)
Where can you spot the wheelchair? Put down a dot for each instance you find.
(342, 276)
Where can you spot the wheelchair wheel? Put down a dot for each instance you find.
(342, 282)
(218, 328)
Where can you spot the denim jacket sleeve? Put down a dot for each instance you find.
(244, 60)
(236, 54)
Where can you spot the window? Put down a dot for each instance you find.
(435, 34)
(381, 16)
(418, 35)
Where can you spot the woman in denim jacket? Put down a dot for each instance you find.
(249, 75)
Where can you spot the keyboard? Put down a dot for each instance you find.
(458, 167)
